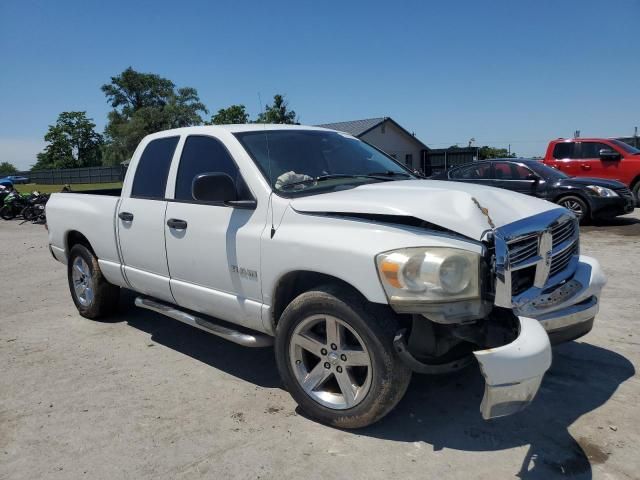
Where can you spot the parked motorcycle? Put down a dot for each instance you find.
(14, 202)
(35, 207)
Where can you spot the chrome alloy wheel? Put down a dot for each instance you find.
(330, 362)
(82, 283)
(574, 206)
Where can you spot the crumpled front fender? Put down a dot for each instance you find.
(513, 372)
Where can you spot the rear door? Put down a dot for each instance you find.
(567, 158)
(214, 251)
(593, 166)
(140, 220)
(515, 177)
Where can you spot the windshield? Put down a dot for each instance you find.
(546, 171)
(312, 161)
(626, 147)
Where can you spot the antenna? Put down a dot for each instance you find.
(266, 138)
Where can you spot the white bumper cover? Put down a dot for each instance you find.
(513, 372)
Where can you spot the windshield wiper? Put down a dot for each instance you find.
(388, 173)
(322, 178)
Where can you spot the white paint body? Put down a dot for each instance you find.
(194, 268)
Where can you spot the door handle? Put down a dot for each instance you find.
(586, 167)
(177, 224)
(126, 216)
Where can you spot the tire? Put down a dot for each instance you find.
(636, 193)
(27, 213)
(368, 330)
(99, 297)
(7, 213)
(577, 205)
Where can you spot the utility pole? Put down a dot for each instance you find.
(509, 149)
(635, 136)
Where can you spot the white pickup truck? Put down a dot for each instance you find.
(358, 270)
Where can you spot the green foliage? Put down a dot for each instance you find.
(485, 152)
(145, 103)
(278, 112)
(72, 142)
(7, 168)
(230, 115)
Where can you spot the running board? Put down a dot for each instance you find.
(245, 339)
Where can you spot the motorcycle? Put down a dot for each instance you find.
(14, 202)
(34, 210)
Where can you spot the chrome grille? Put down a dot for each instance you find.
(562, 232)
(531, 251)
(522, 249)
(562, 259)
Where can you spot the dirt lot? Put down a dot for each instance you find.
(143, 396)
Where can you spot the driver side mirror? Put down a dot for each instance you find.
(213, 187)
(534, 177)
(218, 187)
(608, 154)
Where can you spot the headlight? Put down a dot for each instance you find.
(413, 276)
(601, 191)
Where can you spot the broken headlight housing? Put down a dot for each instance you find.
(439, 281)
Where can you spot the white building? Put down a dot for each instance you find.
(387, 135)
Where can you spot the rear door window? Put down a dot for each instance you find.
(150, 179)
(481, 171)
(564, 150)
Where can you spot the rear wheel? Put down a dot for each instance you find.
(577, 205)
(336, 358)
(93, 295)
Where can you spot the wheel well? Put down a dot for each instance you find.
(571, 194)
(294, 283)
(74, 237)
(634, 182)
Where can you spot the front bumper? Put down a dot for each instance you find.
(513, 372)
(566, 311)
(610, 207)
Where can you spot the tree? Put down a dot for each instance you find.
(233, 114)
(145, 103)
(72, 142)
(278, 112)
(485, 152)
(7, 168)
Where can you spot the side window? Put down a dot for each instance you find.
(202, 154)
(520, 172)
(151, 173)
(564, 150)
(472, 172)
(592, 149)
(502, 171)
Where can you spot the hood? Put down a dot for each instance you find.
(601, 182)
(466, 209)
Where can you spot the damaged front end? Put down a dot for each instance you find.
(513, 353)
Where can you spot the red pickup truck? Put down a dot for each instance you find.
(597, 157)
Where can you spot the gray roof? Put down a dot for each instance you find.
(355, 127)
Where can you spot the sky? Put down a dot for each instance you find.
(501, 72)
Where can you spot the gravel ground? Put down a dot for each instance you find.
(143, 396)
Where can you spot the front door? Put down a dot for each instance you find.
(593, 166)
(515, 177)
(140, 221)
(213, 250)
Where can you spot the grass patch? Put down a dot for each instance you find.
(76, 187)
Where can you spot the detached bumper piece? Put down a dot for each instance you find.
(513, 372)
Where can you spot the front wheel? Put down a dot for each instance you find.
(93, 295)
(7, 213)
(577, 206)
(636, 193)
(335, 355)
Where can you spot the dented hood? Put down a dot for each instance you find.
(464, 208)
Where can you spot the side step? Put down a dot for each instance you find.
(245, 339)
